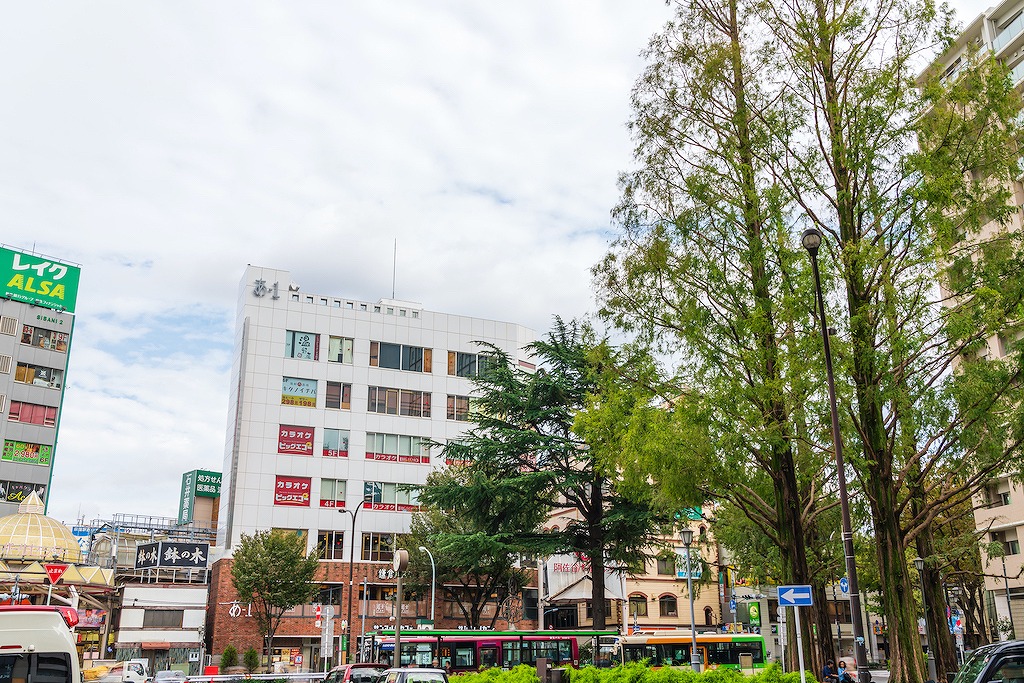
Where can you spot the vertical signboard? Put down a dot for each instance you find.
(188, 497)
(38, 280)
(196, 483)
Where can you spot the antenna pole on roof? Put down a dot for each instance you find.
(394, 269)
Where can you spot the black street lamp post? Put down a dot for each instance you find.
(811, 240)
(686, 535)
(351, 569)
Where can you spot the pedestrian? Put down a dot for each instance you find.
(828, 673)
(844, 676)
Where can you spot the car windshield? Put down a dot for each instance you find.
(424, 677)
(973, 666)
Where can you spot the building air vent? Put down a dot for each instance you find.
(5, 364)
(8, 325)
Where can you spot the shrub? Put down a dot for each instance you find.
(228, 658)
(251, 660)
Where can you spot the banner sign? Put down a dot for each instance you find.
(38, 280)
(296, 391)
(208, 484)
(31, 453)
(292, 491)
(91, 618)
(172, 554)
(17, 491)
(292, 440)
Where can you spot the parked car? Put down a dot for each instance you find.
(995, 662)
(354, 673)
(413, 674)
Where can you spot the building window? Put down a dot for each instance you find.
(331, 544)
(339, 396)
(339, 349)
(667, 606)
(1012, 547)
(39, 376)
(400, 357)
(398, 402)
(304, 345)
(296, 391)
(638, 605)
(378, 547)
(590, 608)
(30, 413)
(458, 407)
(162, 618)
(335, 443)
(666, 566)
(468, 364)
(397, 448)
(709, 616)
(44, 339)
(384, 495)
(332, 493)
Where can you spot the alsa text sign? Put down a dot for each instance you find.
(795, 596)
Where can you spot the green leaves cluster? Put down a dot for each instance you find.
(541, 441)
(271, 570)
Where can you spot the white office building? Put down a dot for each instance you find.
(332, 403)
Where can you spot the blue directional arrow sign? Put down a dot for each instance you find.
(795, 596)
(844, 585)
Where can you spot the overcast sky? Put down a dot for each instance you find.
(165, 145)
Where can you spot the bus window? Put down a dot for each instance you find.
(465, 657)
(510, 654)
(489, 656)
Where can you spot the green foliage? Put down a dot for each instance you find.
(251, 660)
(271, 571)
(475, 558)
(228, 658)
(536, 442)
(636, 672)
(523, 673)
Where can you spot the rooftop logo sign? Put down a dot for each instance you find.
(38, 280)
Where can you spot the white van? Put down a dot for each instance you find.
(37, 644)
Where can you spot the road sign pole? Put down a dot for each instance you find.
(799, 645)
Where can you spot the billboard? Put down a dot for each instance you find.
(22, 451)
(291, 491)
(172, 554)
(38, 280)
(196, 483)
(295, 440)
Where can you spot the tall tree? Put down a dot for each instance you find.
(705, 269)
(899, 174)
(271, 570)
(756, 120)
(522, 438)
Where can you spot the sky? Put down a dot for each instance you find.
(165, 145)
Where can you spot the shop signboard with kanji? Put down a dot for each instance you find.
(38, 280)
(172, 555)
(292, 491)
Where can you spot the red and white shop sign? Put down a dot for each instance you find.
(292, 491)
(292, 440)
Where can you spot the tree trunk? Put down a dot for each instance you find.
(939, 638)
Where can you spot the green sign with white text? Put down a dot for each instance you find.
(38, 280)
